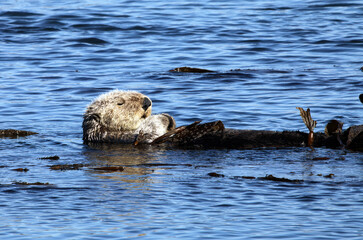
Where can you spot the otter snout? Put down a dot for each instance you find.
(146, 103)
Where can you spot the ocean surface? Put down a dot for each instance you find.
(269, 56)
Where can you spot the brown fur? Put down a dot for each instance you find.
(121, 116)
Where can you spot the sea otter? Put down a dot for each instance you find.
(123, 117)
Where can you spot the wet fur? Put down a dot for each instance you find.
(122, 117)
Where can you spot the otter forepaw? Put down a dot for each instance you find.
(170, 122)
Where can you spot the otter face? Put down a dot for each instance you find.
(120, 110)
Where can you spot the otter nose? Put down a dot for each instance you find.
(146, 103)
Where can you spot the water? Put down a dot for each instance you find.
(57, 56)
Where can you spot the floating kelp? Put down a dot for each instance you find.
(267, 177)
(191, 70)
(321, 158)
(20, 169)
(50, 158)
(163, 165)
(244, 177)
(331, 175)
(65, 167)
(214, 174)
(277, 179)
(27, 183)
(110, 169)
(12, 133)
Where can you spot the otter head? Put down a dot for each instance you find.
(119, 110)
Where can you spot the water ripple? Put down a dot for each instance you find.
(267, 57)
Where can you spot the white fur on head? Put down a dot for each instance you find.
(121, 116)
(119, 110)
(113, 113)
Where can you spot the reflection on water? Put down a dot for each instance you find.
(132, 158)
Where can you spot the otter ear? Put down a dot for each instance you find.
(121, 102)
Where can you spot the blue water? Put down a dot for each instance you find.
(56, 56)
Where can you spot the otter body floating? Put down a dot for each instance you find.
(125, 117)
